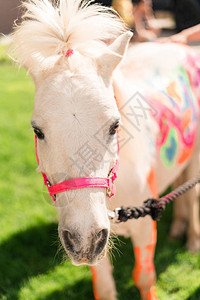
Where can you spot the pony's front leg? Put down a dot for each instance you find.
(103, 282)
(144, 240)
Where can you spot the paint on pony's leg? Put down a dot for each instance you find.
(138, 265)
(94, 280)
(151, 295)
(144, 271)
(144, 267)
(150, 250)
(150, 262)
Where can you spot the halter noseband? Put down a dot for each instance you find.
(82, 182)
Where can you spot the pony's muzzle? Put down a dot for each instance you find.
(85, 251)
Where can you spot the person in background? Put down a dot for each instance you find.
(138, 14)
(188, 35)
(186, 13)
(144, 21)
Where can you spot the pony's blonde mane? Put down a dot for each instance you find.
(47, 29)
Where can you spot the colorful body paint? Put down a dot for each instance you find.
(152, 183)
(168, 77)
(177, 107)
(169, 149)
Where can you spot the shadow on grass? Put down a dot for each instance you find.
(80, 290)
(195, 295)
(31, 253)
(26, 254)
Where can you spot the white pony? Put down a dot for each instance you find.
(72, 50)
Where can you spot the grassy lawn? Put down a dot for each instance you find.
(30, 267)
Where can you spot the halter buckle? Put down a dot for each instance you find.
(48, 183)
(110, 191)
(114, 214)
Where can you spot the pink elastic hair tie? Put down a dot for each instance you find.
(68, 52)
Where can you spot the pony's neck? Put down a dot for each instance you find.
(119, 84)
(140, 150)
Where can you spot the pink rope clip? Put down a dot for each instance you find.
(68, 52)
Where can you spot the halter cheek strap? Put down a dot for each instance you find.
(83, 182)
(46, 181)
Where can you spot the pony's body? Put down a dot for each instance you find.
(133, 185)
(170, 86)
(75, 110)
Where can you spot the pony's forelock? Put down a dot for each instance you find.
(47, 29)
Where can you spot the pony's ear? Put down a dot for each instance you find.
(108, 61)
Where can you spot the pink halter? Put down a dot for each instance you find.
(82, 182)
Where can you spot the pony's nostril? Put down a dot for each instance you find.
(69, 240)
(101, 241)
(102, 233)
(88, 248)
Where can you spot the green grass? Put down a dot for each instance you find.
(30, 267)
(3, 56)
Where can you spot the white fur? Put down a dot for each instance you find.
(74, 106)
(47, 30)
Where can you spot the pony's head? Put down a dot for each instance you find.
(71, 51)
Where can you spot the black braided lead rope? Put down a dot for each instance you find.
(154, 207)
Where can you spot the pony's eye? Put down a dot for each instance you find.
(113, 128)
(39, 133)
